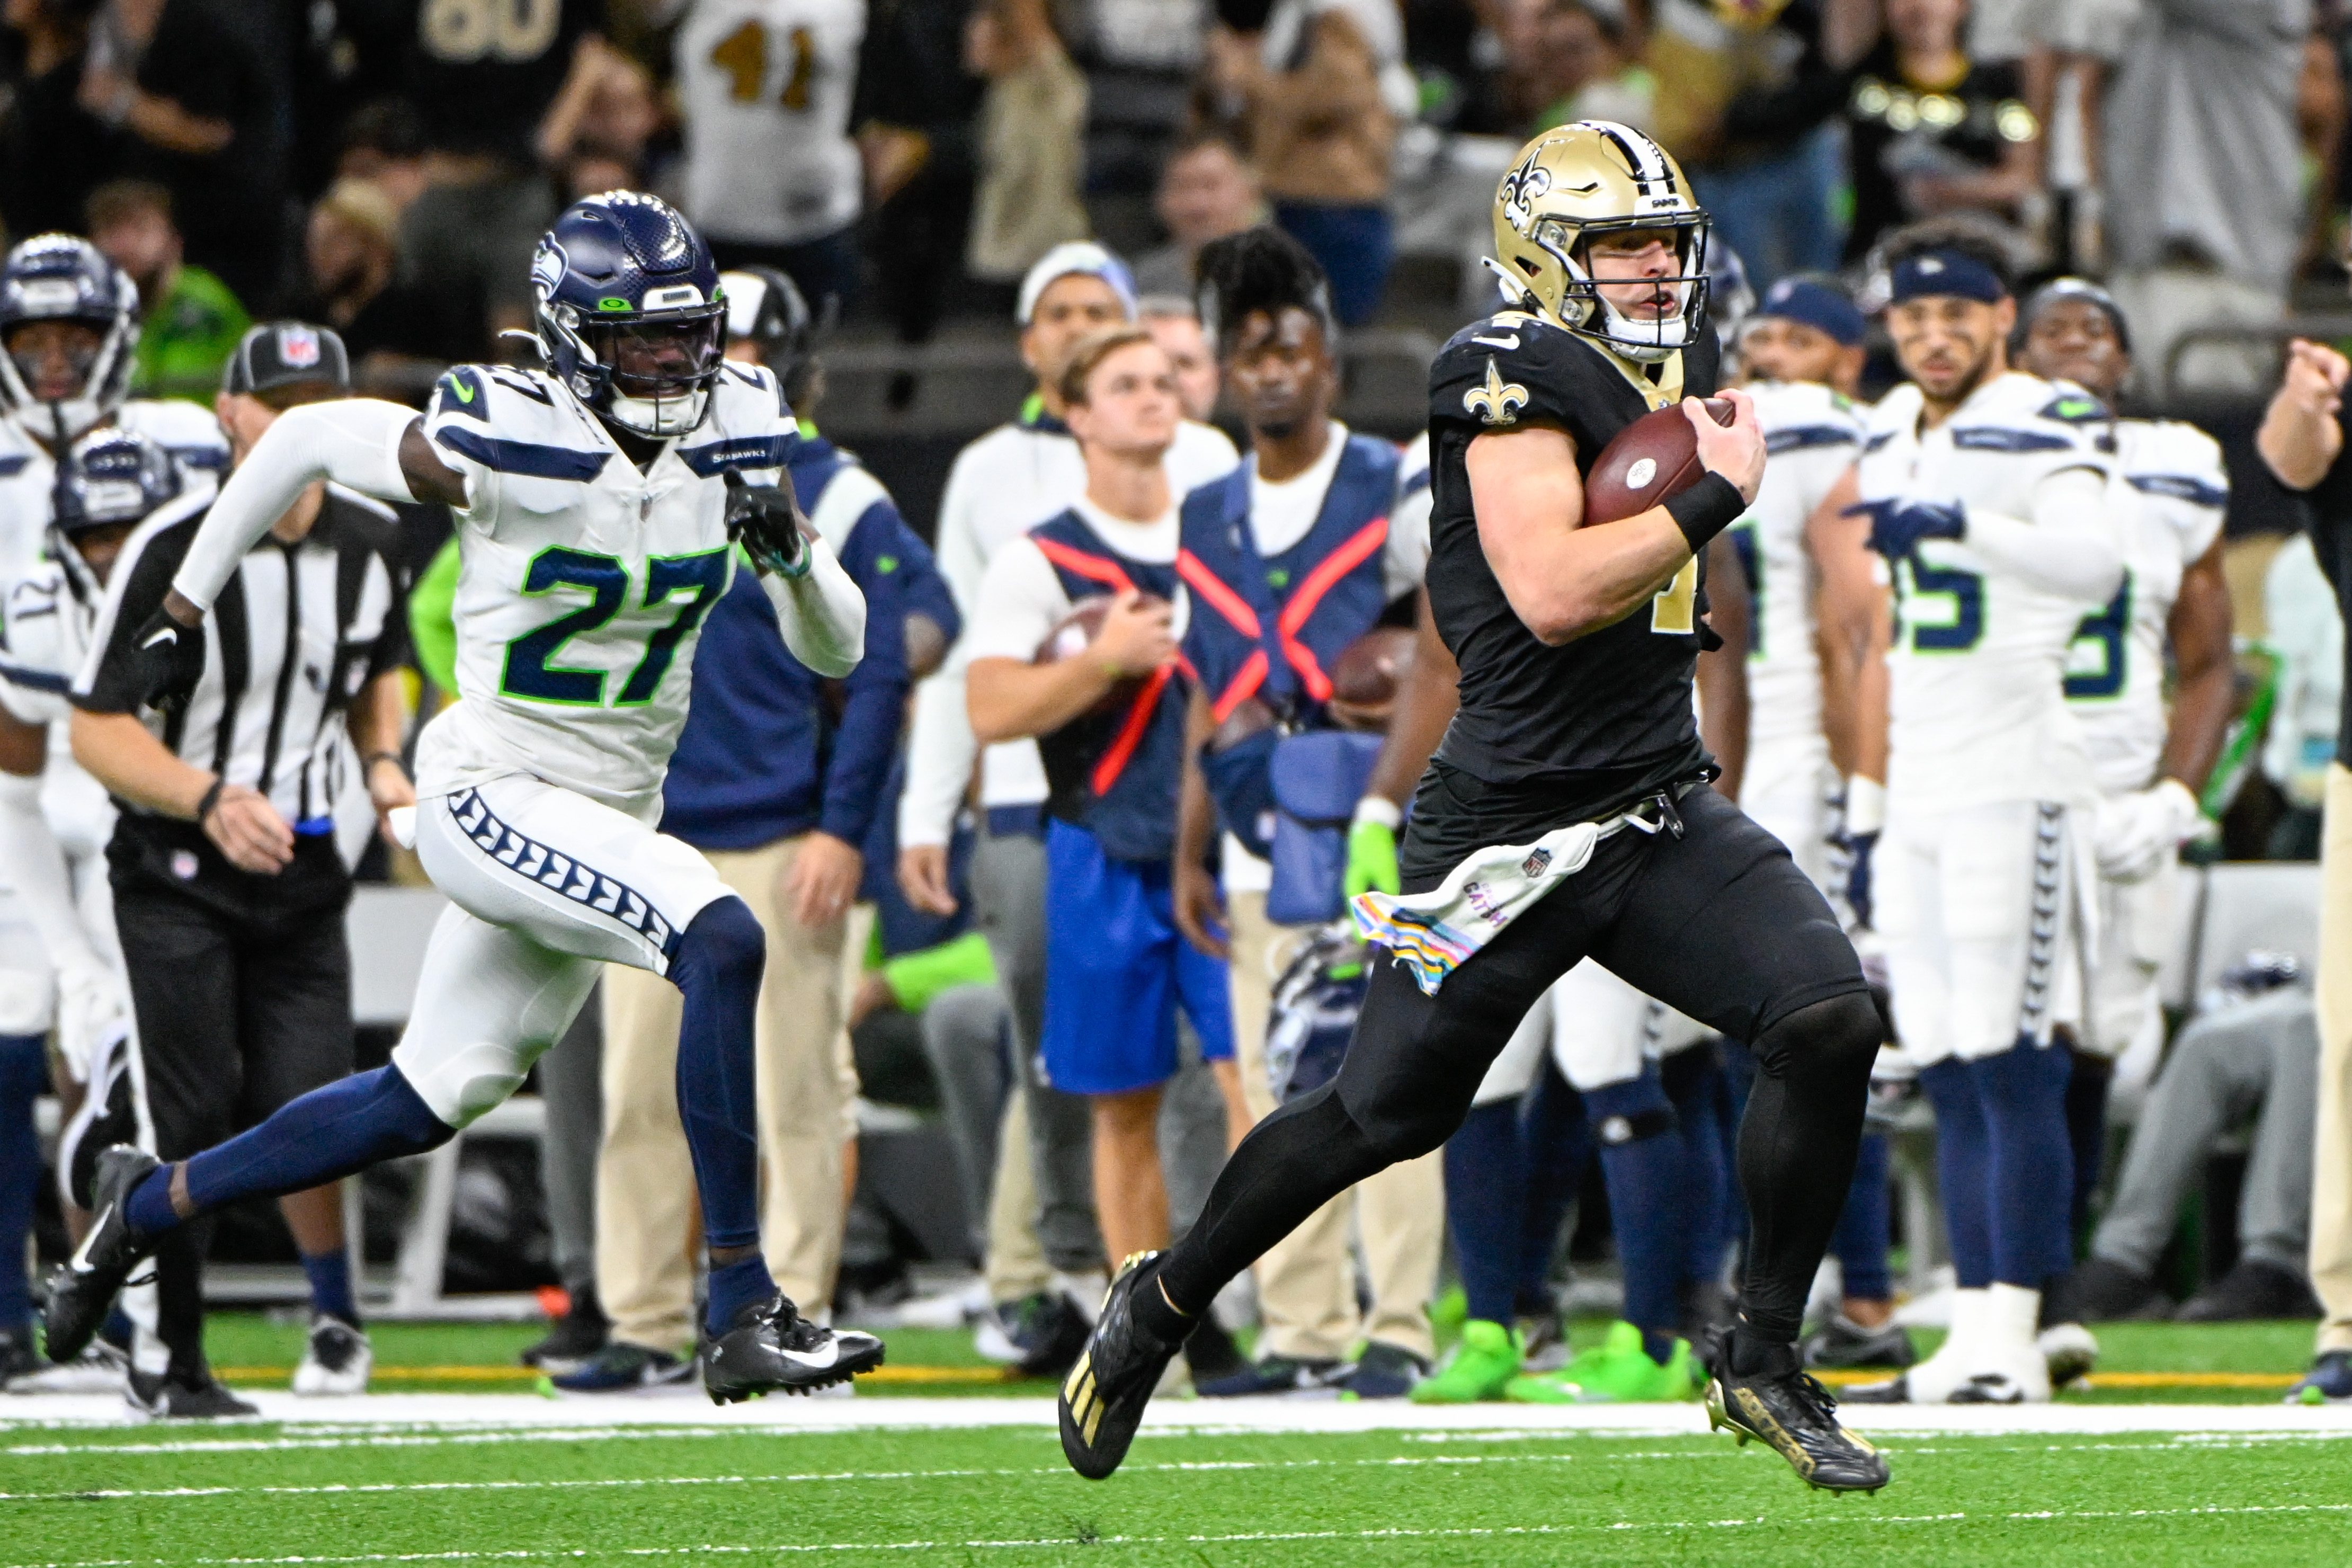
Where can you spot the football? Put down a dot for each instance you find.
(1365, 676)
(1070, 637)
(1652, 460)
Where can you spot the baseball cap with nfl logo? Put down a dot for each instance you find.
(278, 354)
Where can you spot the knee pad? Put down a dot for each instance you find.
(1837, 1035)
(723, 943)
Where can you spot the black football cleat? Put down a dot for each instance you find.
(1784, 1407)
(82, 1288)
(770, 1347)
(1103, 1398)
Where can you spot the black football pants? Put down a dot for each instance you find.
(1717, 922)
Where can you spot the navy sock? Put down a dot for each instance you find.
(1863, 1228)
(1963, 1168)
(331, 1285)
(1642, 1160)
(1555, 1145)
(24, 1074)
(325, 1136)
(2087, 1131)
(1485, 1188)
(1698, 1093)
(2024, 1091)
(716, 969)
(735, 1286)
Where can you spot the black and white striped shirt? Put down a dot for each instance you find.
(292, 639)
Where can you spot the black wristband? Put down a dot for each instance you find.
(1705, 509)
(211, 799)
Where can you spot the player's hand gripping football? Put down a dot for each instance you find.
(766, 520)
(1735, 450)
(1137, 636)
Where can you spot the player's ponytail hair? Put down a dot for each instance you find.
(1260, 268)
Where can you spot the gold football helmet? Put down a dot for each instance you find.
(1574, 181)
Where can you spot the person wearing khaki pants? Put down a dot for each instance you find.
(2301, 443)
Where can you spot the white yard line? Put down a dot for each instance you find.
(1243, 1538)
(401, 1418)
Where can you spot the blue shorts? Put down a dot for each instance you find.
(1115, 971)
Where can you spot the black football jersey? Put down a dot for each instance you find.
(1608, 717)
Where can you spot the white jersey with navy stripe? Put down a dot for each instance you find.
(1812, 435)
(2170, 491)
(28, 473)
(1976, 710)
(583, 582)
(44, 639)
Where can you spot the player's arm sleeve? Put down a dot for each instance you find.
(2069, 547)
(33, 864)
(110, 681)
(941, 748)
(353, 442)
(432, 620)
(1020, 600)
(876, 692)
(821, 612)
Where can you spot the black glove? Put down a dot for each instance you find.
(171, 661)
(765, 519)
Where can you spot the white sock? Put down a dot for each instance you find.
(2012, 1313)
(1933, 1380)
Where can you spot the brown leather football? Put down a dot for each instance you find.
(1366, 674)
(1070, 637)
(1652, 460)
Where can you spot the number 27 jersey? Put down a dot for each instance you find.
(582, 582)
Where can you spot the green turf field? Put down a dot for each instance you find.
(618, 1492)
(284, 1495)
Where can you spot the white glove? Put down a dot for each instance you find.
(2136, 831)
(92, 1003)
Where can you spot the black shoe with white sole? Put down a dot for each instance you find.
(770, 1347)
(1102, 1400)
(574, 1339)
(84, 1286)
(1782, 1405)
(1843, 1343)
(178, 1396)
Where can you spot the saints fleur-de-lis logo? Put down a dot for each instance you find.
(1494, 401)
(1521, 186)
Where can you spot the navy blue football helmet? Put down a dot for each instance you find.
(109, 478)
(58, 277)
(630, 314)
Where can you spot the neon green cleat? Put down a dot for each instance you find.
(1450, 1311)
(1487, 1359)
(1618, 1370)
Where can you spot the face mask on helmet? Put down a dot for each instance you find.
(658, 369)
(68, 325)
(111, 481)
(1648, 314)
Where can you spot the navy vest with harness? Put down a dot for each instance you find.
(1266, 630)
(1116, 773)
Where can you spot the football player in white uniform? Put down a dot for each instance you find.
(2152, 762)
(617, 484)
(69, 327)
(1982, 493)
(55, 821)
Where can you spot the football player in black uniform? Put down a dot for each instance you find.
(1568, 813)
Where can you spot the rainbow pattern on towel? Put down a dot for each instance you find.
(1427, 946)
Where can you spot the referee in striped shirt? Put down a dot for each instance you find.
(228, 887)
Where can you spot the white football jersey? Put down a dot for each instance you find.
(2169, 489)
(1811, 435)
(1978, 713)
(27, 472)
(44, 639)
(582, 583)
(766, 86)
